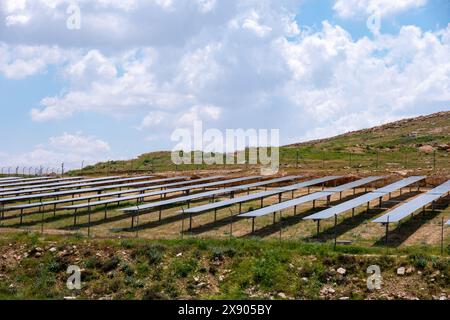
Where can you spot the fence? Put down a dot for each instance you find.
(297, 158)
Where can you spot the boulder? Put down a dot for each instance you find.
(426, 148)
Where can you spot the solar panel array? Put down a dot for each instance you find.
(7, 184)
(310, 197)
(259, 195)
(16, 190)
(55, 186)
(192, 197)
(417, 203)
(7, 178)
(73, 192)
(108, 194)
(366, 198)
(154, 193)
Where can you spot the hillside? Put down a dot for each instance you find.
(407, 143)
(34, 267)
(412, 133)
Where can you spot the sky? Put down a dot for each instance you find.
(87, 81)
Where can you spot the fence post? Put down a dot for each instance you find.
(378, 159)
(406, 159)
(434, 160)
(323, 159)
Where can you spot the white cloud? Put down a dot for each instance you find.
(231, 64)
(18, 62)
(198, 113)
(252, 23)
(16, 19)
(78, 143)
(354, 8)
(71, 149)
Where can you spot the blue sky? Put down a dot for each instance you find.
(138, 70)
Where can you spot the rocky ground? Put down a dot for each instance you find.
(35, 267)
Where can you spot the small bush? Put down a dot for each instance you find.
(93, 262)
(128, 270)
(153, 293)
(419, 260)
(110, 264)
(182, 268)
(155, 256)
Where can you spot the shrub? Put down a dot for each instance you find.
(182, 268)
(110, 264)
(128, 270)
(419, 260)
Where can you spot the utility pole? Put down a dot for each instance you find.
(62, 169)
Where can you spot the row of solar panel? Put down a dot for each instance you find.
(392, 216)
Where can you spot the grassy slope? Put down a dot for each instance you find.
(392, 140)
(406, 134)
(240, 269)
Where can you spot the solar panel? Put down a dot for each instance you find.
(102, 195)
(354, 184)
(258, 195)
(91, 184)
(164, 192)
(17, 179)
(366, 198)
(406, 209)
(285, 204)
(87, 183)
(53, 186)
(272, 181)
(72, 192)
(187, 198)
(9, 178)
(336, 210)
(8, 184)
(442, 189)
(400, 184)
(310, 197)
(410, 207)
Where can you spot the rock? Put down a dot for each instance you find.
(282, 295)
(341, 271)
(409, 270)
(401, 271)
(426, 148)
(442, 298)
(38, 254)
(443, 147)
(305, 279)
(435, 274)
(202, 285)
(196, 279)
(344, 298)
(70, 298)
(38, 249)
(327, 290)
(179, 254)
(52, 249)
